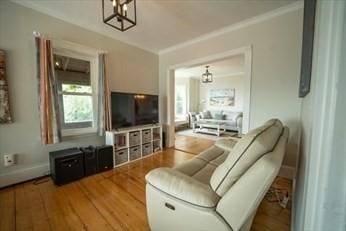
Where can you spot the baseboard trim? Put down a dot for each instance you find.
(22, 175)
(287, 172)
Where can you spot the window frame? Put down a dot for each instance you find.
(77, 51)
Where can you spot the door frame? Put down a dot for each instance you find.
(170, 75)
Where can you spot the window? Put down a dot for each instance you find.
(76, 90)
(77, 109)
(180, 101)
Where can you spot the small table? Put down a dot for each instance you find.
(209, 127)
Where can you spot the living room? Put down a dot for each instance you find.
(70, 80)
(221, 92)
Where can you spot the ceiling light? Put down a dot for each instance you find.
(207, 77)
(57, 64)
(119, 14)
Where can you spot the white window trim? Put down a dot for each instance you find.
(77, 51)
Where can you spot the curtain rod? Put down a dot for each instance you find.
(38, 34)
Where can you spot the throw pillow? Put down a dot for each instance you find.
(206, 115)
(232, 115)
(219, 116)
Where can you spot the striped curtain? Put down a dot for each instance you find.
(47, 92)
(104, 112)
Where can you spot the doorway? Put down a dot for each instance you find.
(188, 96)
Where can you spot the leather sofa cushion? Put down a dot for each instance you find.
(226, 143)
(244, 154)
(184, 187)
(202, 166)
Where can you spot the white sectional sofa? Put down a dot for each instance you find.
(219, 189)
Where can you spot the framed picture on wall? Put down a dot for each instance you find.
(307, 49)
(221, 97)
(5, 116)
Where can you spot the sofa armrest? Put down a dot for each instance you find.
(183, 187)
(239, 122)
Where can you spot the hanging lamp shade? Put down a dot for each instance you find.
(119, 14)
(207, 77)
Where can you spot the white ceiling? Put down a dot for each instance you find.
(233, 66)
(160, 23)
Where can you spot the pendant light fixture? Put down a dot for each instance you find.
(119, 14)
(207, 77)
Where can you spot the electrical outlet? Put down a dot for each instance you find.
(9, 160)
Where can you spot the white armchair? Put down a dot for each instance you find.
(219, 189)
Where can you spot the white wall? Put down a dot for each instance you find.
(128, 68)
(194, 95)
(229, 82)
(320, 195)
(276, 48)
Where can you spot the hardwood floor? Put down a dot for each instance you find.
(270, 215)
(113, 200)
(191, 144)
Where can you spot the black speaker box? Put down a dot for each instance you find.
(66, 165)
(90, 160)
(104, 157)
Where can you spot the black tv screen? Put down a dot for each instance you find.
(133, 109)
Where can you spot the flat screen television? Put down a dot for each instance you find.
(133, 109)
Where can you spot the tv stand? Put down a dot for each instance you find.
(134, 143)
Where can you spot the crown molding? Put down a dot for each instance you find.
(245, 23)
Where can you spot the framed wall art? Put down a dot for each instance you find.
(221, 97)
(5, 115)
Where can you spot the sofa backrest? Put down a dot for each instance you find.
(226, 115)
(245, 153)
(241, 201)
(232, 115)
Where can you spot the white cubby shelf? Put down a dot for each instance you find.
(134, 143)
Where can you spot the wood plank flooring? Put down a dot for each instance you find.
(191, 144)
(113, 200)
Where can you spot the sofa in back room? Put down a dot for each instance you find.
(233, 119)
